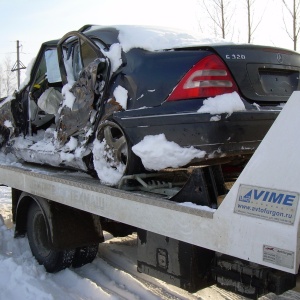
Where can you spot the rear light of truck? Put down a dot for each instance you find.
(208, 78)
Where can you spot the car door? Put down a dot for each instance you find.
(20, 111)
(85, 74)
(44, 89)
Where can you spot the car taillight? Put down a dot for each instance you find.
(208, 78)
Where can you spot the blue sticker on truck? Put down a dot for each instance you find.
(265, 203)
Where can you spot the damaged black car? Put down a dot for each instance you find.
(116, 100)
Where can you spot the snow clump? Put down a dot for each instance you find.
(226, 103)
(121, 96)
(157, 153)
(108, 171)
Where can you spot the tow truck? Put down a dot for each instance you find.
(244, 237)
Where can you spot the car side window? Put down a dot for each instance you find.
(88, 53)
(77, 63)
(83, 55)
(47, 73)
(45, 91)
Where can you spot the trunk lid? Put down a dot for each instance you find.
(263, 74)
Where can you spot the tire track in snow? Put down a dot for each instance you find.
(121, 253)
(115, 281)
(158, 290)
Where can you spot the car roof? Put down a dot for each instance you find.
(50, 43)
(150, 38)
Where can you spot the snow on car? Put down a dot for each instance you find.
(109, 100)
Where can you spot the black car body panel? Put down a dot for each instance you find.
(147, 75)
(235, 135)
(263, 74)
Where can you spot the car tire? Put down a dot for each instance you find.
(39, 240)
(84, 255)
(120, 146)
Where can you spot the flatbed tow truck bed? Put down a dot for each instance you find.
(53, 181)
(78, 190)
(256, 223)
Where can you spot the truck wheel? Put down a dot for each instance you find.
(39, 241)
(84, 255)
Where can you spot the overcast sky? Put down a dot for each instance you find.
(35, 21)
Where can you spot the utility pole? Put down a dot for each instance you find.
(18, 64)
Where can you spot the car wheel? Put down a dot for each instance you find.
(84, 255)
(39, 241)
(117, 149)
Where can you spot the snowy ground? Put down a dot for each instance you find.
(112, 275)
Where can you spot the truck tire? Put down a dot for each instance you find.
(84, 255)
(40, 244)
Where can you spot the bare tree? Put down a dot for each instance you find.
(220, 12)
(251, 24)
(294, 11)
(8, 78)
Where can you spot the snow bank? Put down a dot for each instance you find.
(157, 153)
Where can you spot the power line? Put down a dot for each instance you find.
(18, 64)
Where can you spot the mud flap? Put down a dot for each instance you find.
(202, 187)
(175, 262)
(73, 228)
